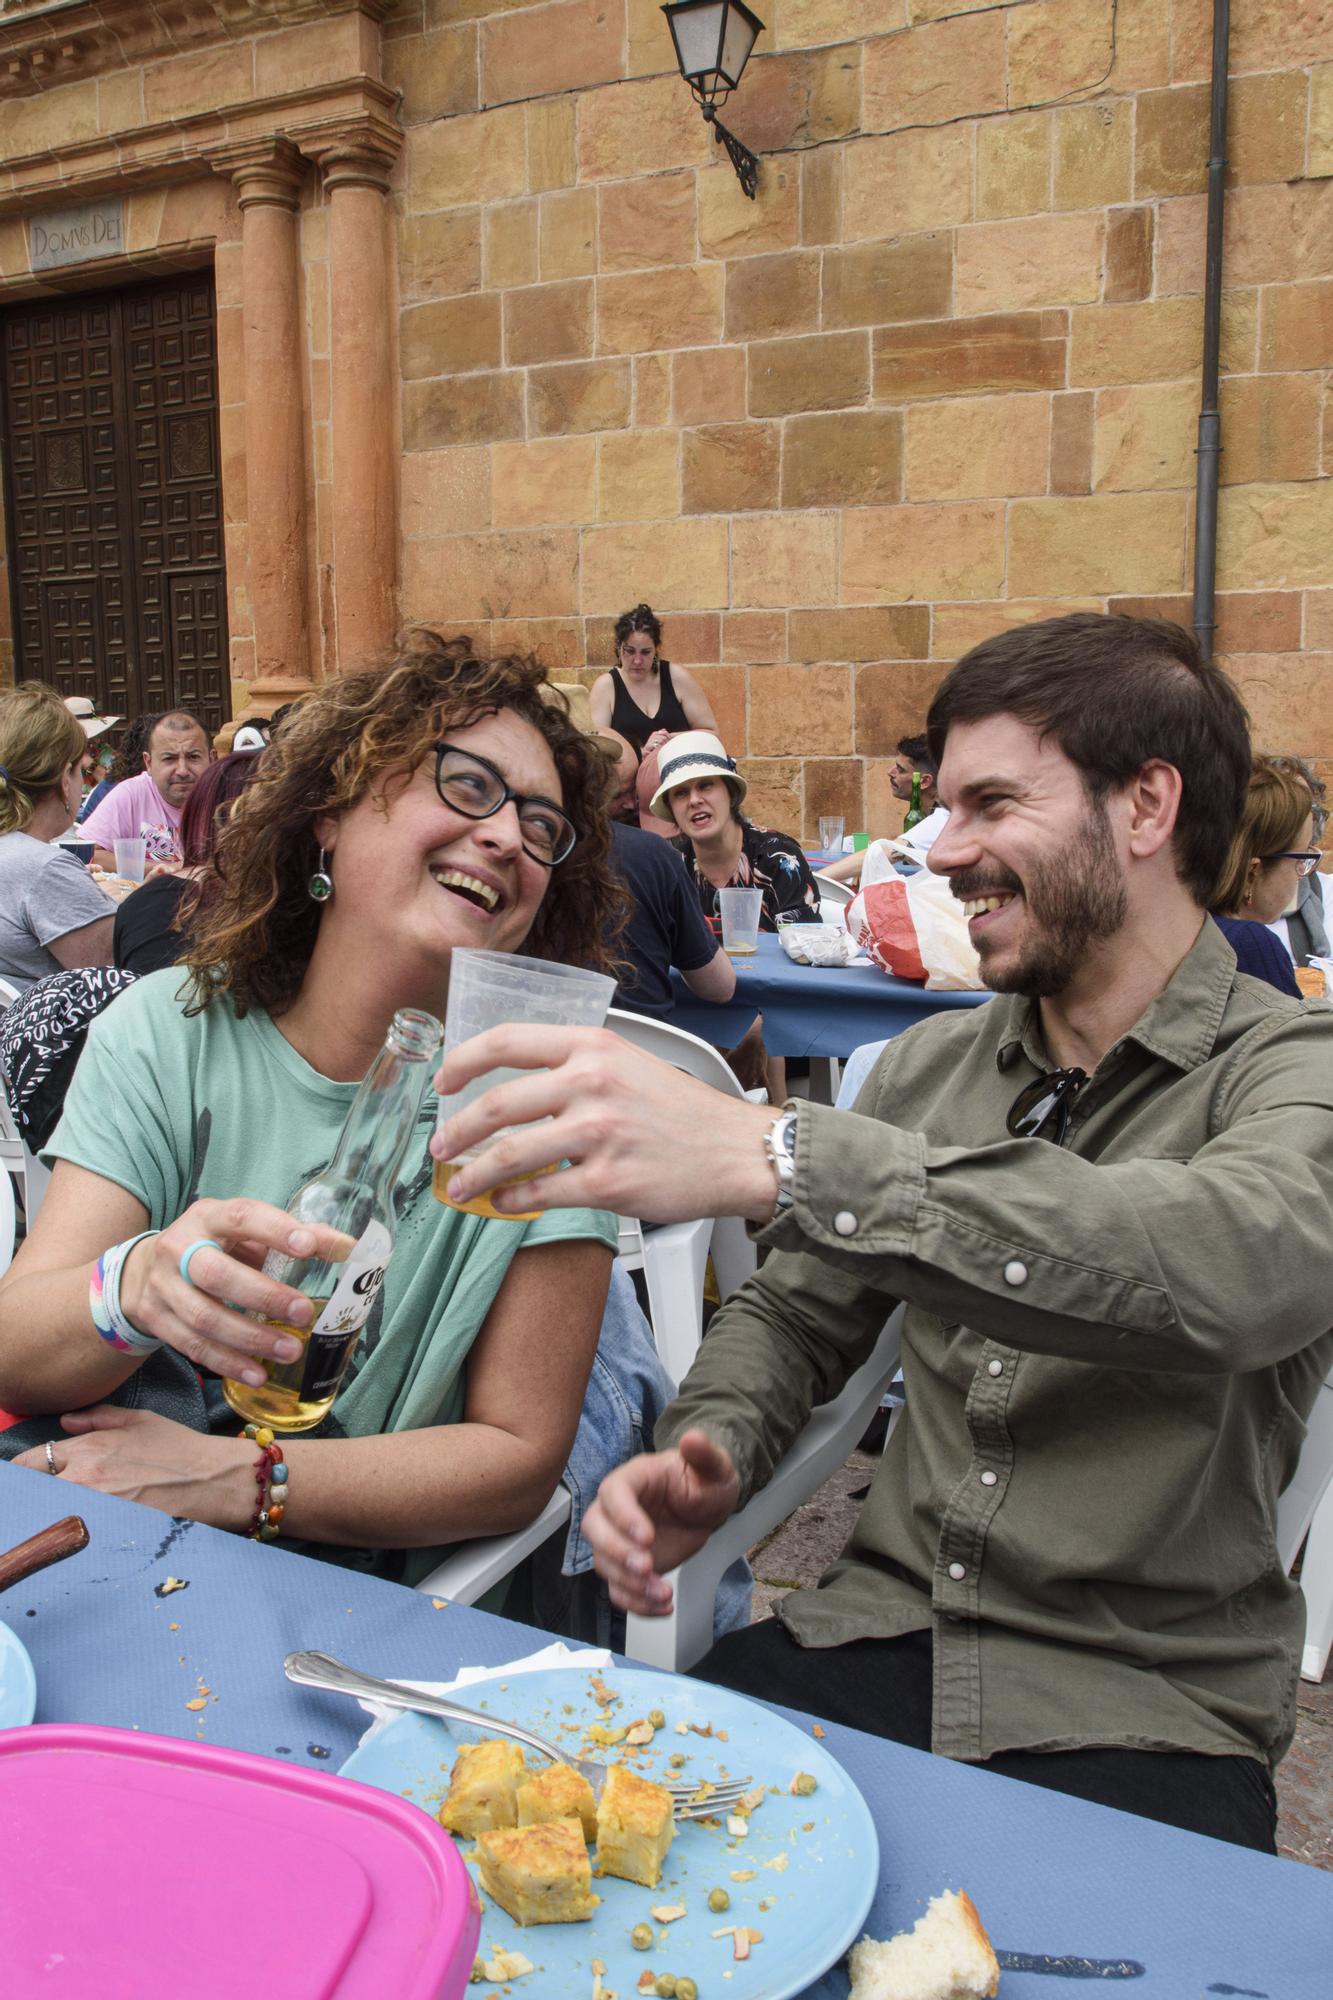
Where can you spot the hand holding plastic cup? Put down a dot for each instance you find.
(488, 989)
(831, 826)
(741, 910)
(131, 857)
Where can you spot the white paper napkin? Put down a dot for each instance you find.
(595, 1658)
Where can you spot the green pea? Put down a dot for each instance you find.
(676, 1759)
(718, 1900)
(641, 1936)
(804, 1784)
(664, 1986)
(657, 1718)
(478, 1972)
(686, 1990)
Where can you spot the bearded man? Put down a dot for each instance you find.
(1105, 1200)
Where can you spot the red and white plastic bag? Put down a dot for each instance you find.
(913, 925)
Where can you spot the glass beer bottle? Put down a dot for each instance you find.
(354, 1194)
(914, 812)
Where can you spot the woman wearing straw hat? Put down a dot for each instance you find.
(700, 789)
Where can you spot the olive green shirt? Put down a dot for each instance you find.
(1110, 1350)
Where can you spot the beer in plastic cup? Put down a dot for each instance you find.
(488, 989)
(131, 857)
(741, 910)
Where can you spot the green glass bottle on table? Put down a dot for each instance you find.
(354, 1194)
(914, 811)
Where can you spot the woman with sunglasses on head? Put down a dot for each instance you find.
(445, 802)
(1272, 850)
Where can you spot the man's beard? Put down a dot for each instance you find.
(1074, 899)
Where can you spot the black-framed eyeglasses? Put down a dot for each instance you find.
(1307, 859)
(474, 787)
(1042, 1108)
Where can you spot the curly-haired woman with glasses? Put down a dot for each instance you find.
(446, 802)
(1272, 851)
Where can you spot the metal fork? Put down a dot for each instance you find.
(696, 1798)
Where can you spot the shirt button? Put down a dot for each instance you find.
(1015, 1272)
(995, 1367)
(989, 1478)
(957, 1572)
(845, 1222)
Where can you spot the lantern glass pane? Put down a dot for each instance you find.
(740, 39)
(697, 32)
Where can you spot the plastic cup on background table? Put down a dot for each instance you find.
(860, 842)
(831, 826)
(131, 857)
(488, 989)
(741, 910)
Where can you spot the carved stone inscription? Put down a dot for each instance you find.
(73, 235)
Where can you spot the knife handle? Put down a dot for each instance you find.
(48, 1545)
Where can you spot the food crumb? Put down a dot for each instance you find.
(198, 1703)
(816, 1729)
(438, 1603)
(170, 1583)
(318, 1750)
(173, 1628)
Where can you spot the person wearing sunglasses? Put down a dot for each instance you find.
(1104, 1198)
(1271, 854)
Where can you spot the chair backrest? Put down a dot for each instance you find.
(839, 893)
(8, 1222)
(1311, 1480)
(675, 1046)
(9, 993)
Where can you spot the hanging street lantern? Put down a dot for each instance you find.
(713, 41)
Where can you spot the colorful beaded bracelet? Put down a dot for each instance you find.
(271, 1476)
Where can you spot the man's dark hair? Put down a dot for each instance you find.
(177, 720)
(1115, 693)
(917, 748)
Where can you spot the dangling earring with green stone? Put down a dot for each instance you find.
(320, 886)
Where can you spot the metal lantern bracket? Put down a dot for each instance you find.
(713, 40)
(744, 161)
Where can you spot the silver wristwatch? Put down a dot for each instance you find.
(780, 1145)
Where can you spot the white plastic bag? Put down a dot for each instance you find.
(913, 925)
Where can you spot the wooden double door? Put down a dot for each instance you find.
(113, 497)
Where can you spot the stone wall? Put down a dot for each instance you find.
(940, 377)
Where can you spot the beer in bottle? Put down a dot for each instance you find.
(914, 812)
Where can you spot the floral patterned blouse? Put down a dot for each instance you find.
(769, 861)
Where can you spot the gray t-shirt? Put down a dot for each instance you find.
(44, 893)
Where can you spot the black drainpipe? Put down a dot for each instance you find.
(1210, 421)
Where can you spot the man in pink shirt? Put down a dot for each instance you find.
(150, 804)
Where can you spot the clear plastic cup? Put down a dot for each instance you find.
(131, 857)
(488, 989)
(831, 827)
(741, 910)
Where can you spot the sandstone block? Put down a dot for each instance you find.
(805, 709)
(1270, 428)
(440, 253)
(782, 559)
(677, 564)
(679, 306)
(437, 73)
(691, 636)
(1290, 699)
(806, 24)
(731, 225)
(599, 636)
(445, 492)
(199, 83)
(848, 458)
(450, 336)
(754, 636)
(545, 482)
(639, 478)
(646, 222)
(1171, 142)
(1093, 154)
(963, 357)
(457, 160)
(1145, 436)
(894, 554)
(774, 792)
(772, 295)
(892, 699)
(551, 154)
(1320, 152)
(986, 445)
(579, 396)
(1296, 327)
(943, 70)
(650, 50)
(800, 99)
(1036, 261)
(509, 244)
(462, 409)
(821, 196)
(957, 628)
(1272, 235)
(120, 100)
(1071, 442)
(724, 689)
(652, 390)
(1055, 49)
(1275, 536)
(567, 46)
(495, 576)
(548, 322)
(640, 128)
(922, 179)
(1014, 165)
(1156, 340)
(1289, 40)
(556, 642)
(1108, 541)
(1259, 621)
(1266, 120)
(879, 632)
(314, 53)
(730, 468)
(708, 385)
(66, 115)
(1319, 619)
(834, 785)
(869, 284)
(821, 371)
(567, 233)
(1129, 249)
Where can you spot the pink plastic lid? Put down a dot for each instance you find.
(134, 1866)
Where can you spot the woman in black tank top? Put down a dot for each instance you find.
(620, 699)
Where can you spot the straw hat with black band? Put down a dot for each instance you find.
(694, 753)
(84, 713)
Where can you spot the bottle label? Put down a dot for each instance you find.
(335, 1332)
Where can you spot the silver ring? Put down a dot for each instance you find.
(51, 1465)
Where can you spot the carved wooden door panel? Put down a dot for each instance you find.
(114, 498)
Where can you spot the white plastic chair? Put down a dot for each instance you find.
(8, 1223)
(475, 1566)
(1305, 1514)
(21, 1165)
(831, 891)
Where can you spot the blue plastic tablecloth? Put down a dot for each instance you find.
(1052, 1876)
(810, 1010)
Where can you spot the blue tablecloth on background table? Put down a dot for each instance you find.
(1051, 1875)
(810, 1010)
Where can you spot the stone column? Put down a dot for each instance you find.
(362, 392)
(267, 178)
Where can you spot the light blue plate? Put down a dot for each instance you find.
(818, 1897)
(18, 1684)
